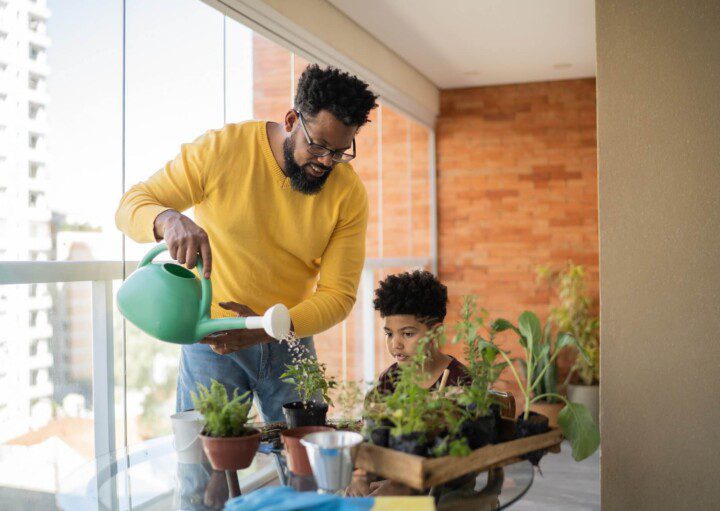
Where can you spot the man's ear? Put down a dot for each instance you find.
(291, 119)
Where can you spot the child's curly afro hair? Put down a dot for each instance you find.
(418, 293)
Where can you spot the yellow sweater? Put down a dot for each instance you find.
(269, 242)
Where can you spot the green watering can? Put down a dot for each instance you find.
(168, 302)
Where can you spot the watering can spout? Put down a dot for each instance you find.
(275, 322)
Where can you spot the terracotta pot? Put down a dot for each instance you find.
(588, 395)
(231, 453)
(549, 410)
(297, 458)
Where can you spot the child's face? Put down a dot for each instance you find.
(402, 333)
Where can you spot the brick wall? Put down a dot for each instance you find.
(517, 188)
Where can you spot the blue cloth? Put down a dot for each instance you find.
(284, 498)
(256, 369)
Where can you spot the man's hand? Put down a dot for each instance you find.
(184, 239)
(230, 341)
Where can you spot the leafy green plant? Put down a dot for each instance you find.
(481, 355)
(573, 315)
(310, 380)
(223, 417)
(544, 370)
(574, 419)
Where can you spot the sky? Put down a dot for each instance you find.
(174, 93)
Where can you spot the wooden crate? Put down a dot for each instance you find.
(422, 473)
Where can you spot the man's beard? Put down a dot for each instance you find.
(300, 180)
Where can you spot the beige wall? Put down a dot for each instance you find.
(658, 83)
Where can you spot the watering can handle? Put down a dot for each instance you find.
(205, 283)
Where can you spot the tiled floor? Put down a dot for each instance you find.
(565, 485)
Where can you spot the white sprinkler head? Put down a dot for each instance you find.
(276, 321)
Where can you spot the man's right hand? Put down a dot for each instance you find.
(184, 239)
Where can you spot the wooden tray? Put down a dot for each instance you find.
(422, 473)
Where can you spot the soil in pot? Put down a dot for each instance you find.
(231, 453)
(481, 431)
(377, 434)
(413, 443)
(298, 414)
(535, 425)
(297, 458)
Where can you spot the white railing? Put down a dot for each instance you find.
(101, 274)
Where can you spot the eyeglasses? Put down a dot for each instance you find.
(320, 150)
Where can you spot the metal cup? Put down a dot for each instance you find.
(332, 458)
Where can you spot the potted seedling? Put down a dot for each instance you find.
(574, 419)
(545, 372)
(480, 417)
(573, 315)
(308, 376)
(228, 441)
(417, 416)
(376, 418)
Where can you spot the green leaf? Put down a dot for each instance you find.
(529, 326)
(565, 339)
(578, 427)
(500, 325)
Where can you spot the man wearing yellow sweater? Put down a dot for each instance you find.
(276, 206)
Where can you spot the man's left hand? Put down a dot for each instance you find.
(230, 341)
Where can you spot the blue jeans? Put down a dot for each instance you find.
(256, 369)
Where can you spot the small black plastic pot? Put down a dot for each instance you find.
(378, 434)
(413, 443)
(297, 414)
(535, 425)
(481, 431)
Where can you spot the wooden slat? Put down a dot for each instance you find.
(422, 473)
(440, 470)
(395, 465)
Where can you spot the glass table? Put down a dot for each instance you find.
(151, 478)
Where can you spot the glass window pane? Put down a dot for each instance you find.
(396, 219)
(272, 80)
(420, 189)
(238, 72)
(60, 130)
(174, 94)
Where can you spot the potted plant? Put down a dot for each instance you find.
(312, 385)
(573, 315)
(547, 386)
(376, 419)
(226, 438)
(574, 419)
(480, 413)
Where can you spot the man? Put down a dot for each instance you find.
(276, 206)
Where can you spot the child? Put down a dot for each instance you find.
(411, 305)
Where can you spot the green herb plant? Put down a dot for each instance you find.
(574, 419)
(573, 315)
(223, 417)
(310, 378)
(481, 355)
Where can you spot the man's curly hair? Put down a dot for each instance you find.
(346, 97)
(418, 293)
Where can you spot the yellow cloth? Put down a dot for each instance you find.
(269, 242)
(404, 504)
